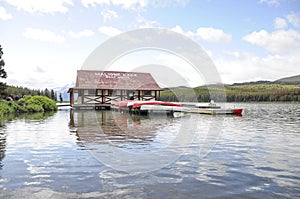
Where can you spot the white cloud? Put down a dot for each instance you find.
(280, 23)
(144, 23)
(4, 15)
(109, 31)
(39, 69)
(135, 4)
(164, 66)
(294, 19)
(126, 4)
(249, 67)
(43, 35)
(270, 2)
(166, 3)
(177, 29)
(108, 15)
(206, 34)
(93, 3)
(235, 54)
(130, 4)
(42, 6)
(277, 42)
(213, 35)
(83, 33)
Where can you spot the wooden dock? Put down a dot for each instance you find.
(63, 104)
(85, 106)
(91, 106)
(210, 110)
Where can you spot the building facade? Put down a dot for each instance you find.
(101, 88)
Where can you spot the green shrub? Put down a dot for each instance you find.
(44, 103)
(34, 108)
(27, 104)
(8, 107)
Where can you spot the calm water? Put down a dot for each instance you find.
(114, 155)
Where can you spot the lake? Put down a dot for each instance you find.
(107, 154)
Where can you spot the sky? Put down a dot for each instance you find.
(46, 41)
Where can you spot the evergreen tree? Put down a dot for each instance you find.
(52, 95)
(3, 75)
(47, 93)
(60, 97)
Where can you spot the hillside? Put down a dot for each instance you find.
(289, 80)
(285, 89)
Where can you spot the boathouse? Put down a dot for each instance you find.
(99, 89)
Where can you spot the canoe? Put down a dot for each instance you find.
(213, 111)
(157, 108)
(138, 104)
(146, 107)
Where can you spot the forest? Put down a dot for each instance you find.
(264, 92)
(17, 92)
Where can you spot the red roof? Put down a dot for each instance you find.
(91, 79)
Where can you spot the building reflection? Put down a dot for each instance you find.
(11, 118)
(111, 127)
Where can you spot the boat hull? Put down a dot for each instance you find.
(221, 111)
(154, 108)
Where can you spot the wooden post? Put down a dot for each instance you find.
(157, 95)
(71, 97)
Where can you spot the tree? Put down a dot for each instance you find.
(52, 95)
(3, 75)
(60, 97)
(47, 93)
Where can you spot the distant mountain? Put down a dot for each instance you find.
(178, 87)
(293, 80)
(252, 83)
(289, 80)
(64, 91)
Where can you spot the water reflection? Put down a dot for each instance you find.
(8, 118)
(2, 147)
(121, 129)
(134, 143)
(256, 156)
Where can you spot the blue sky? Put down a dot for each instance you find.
(247, 40)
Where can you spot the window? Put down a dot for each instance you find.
(147, 93)
(91, 92)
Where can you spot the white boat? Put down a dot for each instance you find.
(164, 108)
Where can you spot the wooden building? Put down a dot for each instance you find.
(98, 89)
